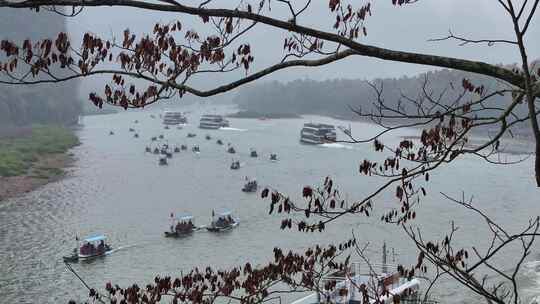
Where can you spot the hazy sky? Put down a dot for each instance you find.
(406, 28)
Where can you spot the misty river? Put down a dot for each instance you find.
(115, 188)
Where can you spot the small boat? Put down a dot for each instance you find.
(136, 121)
(131, 130)
(231, 150)
(111, 133)
(163, 161)
(183, 147)
(208, 137)
(136, 135)
(191, 135)
(273, 157)
(219, 142)
(235, 165)
(349, 286)
(168, 154)
(181, 226)
(156, 151)
(196, 149)
(250, 186)
(152, 116)
(163, 151)
(92, 247)
(225, 221)
(148, 149)
(176, 149)
(154, 138)
(253, 153)
(161, 136)
(166, 127)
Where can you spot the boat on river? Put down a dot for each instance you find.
(219, 142)
(191, 135)
(250, 186)
(163, 161)
(273, 157)
(253, 153)
(224, 221)
(173, 118)
(213, 122)
(318, 133)
(235, 165)
(387, 285)
(92, 247)
(196, 149)
(181, 226)
(231, 150)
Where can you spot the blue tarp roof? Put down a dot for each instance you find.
(95, 238)
(184, 217)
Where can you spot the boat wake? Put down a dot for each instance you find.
(232, 129)
(120, 248)
(336, 146)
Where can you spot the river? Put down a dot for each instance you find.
(117, 189)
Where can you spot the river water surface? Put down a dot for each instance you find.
(117, 189)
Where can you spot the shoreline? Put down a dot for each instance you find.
(36, 157)
(48, 169)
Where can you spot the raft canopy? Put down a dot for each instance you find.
(95, 238)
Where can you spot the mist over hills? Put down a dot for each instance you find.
(336, 97)
(37, 104)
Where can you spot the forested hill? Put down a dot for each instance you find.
(335, 97)
(24, 105)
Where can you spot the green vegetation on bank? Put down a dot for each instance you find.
(19, 153)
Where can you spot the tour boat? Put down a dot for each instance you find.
(222, 222)
(235, 165)
(173, 118)
(250, 186)
(313, 133)
(213, 122)
(181, 226)
(253, 153)
(385, 285)
(91, 247)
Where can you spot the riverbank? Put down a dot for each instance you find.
(32, 157)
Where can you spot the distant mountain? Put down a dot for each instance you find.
(336, 97)
(24, 105)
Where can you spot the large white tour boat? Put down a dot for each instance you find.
(317, 133)
(213, 122)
